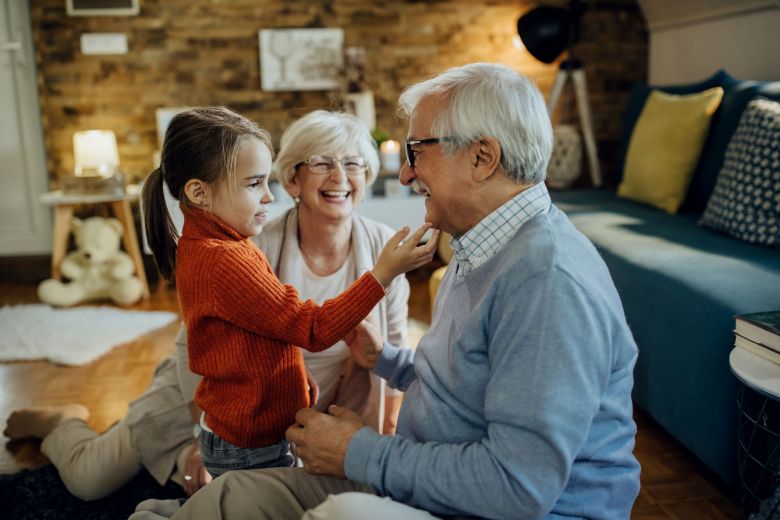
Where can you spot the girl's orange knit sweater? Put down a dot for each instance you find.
(244, 327)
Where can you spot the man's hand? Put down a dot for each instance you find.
(321, 440)
(195, 475)
(365, 344)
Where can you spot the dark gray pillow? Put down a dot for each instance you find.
(746, 200)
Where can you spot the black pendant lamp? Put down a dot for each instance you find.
(547, 31)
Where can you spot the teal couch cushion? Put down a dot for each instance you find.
(681, 286)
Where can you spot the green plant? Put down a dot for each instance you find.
(379, 136)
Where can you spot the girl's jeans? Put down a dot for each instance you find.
(220, 456)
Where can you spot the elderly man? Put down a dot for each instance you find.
(518, 400)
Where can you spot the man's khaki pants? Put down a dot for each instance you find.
(290, 494)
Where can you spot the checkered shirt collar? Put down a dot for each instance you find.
(480, 243)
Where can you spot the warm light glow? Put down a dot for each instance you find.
(95, 153)
(390, 155)
(390, 146)
(518, 43)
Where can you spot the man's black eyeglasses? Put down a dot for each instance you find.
(409, 143)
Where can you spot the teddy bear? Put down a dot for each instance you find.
(97, 269)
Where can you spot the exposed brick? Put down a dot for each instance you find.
(200, 52)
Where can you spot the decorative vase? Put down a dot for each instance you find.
(566, 161)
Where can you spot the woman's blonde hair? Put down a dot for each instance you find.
(324, 133)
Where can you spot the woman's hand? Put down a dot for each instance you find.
(195, 475)
(365, 344)
(314, 388)
(399, 255)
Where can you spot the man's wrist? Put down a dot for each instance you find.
(384, 365)
(356, 460)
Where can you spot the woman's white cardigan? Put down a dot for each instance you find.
(358, 390)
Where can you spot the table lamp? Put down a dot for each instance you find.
(95, 153)
(96, 165)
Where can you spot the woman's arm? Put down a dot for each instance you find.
(195, 475)
(392, 407)
(188, 380)
(397, 316)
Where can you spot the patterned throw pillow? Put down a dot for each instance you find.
(746, 199)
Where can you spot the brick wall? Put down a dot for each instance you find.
(200, 52)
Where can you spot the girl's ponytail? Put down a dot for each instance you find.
(160, 232)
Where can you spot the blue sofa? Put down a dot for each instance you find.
(681, 285)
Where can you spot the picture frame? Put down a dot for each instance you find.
(300, 59)
(163, 116)
(102, 7)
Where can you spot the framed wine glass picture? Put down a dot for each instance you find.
(300, 59)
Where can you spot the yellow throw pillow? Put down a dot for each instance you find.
(665, 147)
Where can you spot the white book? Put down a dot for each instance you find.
(760, 327)
(759, 350)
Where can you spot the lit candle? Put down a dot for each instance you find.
(390, 155)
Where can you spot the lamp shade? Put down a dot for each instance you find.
(95, 153)
(545, 32)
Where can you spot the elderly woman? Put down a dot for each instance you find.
(326, 162)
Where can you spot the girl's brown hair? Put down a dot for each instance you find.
(203, 144)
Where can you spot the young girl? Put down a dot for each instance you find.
(243, 325)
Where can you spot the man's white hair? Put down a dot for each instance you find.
(490, 100)
(324, 133)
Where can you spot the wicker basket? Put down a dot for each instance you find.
(566, 161)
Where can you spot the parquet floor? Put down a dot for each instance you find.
(673, 486)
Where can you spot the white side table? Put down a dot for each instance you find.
(761, 375)
(758, 433)
(63, 206)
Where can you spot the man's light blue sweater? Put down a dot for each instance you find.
(518, 400)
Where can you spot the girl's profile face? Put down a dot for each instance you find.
(334, 195)
(243, 203)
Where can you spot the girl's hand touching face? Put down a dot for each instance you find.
(402, 253)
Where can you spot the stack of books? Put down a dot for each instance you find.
(759, 333)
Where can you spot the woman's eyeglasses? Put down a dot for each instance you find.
(325, 164)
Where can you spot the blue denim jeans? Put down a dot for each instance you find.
(220, 456)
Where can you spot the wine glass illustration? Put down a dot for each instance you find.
(281, 47)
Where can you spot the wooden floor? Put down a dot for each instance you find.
(672, 484)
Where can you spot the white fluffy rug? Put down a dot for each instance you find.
(74, 336)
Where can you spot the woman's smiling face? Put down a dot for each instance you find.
(334, 195)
